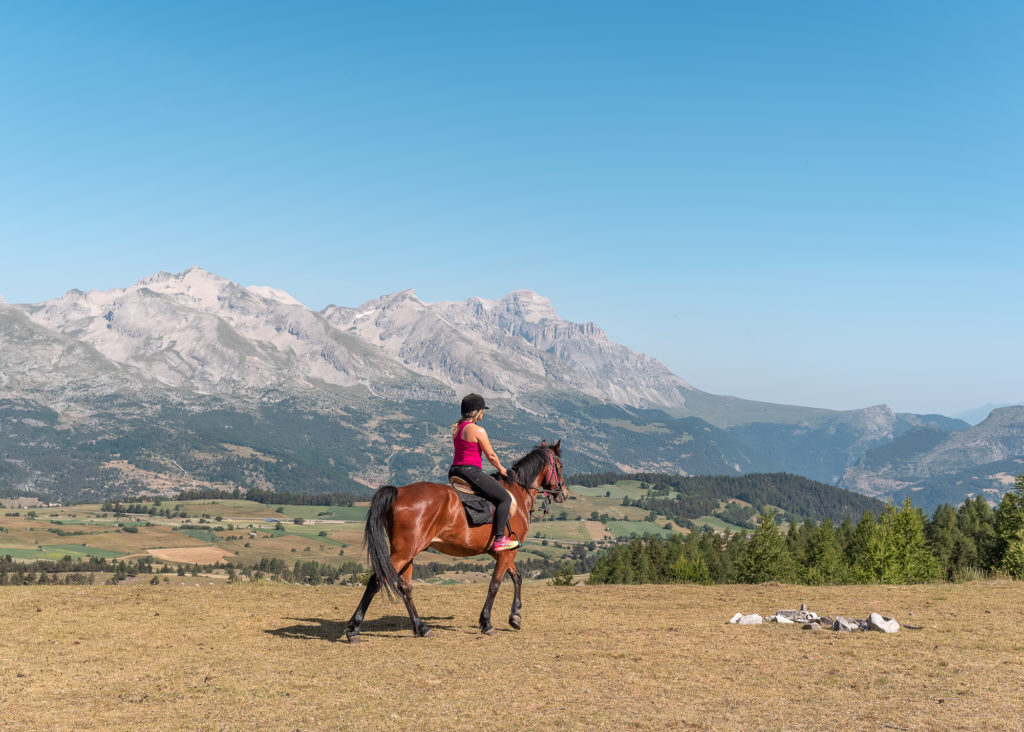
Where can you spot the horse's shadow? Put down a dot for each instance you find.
(333, 630)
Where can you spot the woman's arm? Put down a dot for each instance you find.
(485, 447)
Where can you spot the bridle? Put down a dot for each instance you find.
(551, 492)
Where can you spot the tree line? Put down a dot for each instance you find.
(266, 497)
(900, 545)
(682, 498)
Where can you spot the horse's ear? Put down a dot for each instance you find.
(543, 443)
(556, 448)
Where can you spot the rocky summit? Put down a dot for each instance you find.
(191, 379)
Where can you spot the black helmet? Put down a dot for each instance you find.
(472, 403)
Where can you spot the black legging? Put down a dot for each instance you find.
(493, 490)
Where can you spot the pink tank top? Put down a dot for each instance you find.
(466, 453)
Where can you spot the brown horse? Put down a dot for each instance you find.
(405, 520)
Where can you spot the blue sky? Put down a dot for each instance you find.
(798, 202)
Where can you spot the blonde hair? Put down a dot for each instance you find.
(471, 417)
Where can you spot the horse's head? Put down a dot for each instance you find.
(541, 470)
(550, 479)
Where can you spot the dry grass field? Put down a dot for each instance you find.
(588, 658)
(190, 555)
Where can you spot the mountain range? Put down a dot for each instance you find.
(190, 379)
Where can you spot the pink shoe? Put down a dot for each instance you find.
(504, 543)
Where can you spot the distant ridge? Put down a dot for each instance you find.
(193, 377)
(980, 414)
(932, 466)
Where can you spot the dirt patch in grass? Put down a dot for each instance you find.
(587, 658)
(190, 555)
(596, 530)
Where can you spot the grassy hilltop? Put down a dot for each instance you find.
(588, 658)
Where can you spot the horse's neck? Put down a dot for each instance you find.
(524, 496)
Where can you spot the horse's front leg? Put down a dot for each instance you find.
(502, 562)
(515, 619)
(352, 629)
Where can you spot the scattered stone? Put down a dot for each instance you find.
(884, 625)
(803, 615)
(809, 620)
(846, 624)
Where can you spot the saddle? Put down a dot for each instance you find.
(479, 509)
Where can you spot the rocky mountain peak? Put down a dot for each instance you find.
(195, 286)
(405, 298)
(195, 327)
(526, 305)
(270, 293)
(1003, 416)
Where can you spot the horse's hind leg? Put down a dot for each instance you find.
(352, 629)
(514, 618)
(419, 628)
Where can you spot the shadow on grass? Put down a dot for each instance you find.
(333, 630)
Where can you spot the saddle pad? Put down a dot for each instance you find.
(479, 510)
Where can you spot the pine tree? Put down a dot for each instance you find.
(824, 562)
(977, 521)
(955, 551)
(860, 539)
(1013, 559)
(897, 551)
(912, 559)
(1010, 530)
(693, 571)
(767, 559)
(798, 539)
(736, 547)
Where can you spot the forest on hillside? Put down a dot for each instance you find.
(899, 546)
(795, 498)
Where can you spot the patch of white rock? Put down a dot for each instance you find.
(812, 621)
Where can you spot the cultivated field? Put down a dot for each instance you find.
(588, 658)
(207, 531)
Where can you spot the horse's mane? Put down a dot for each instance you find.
(528, 467)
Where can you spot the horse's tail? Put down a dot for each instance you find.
(377, 542)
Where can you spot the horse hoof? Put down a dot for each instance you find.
(428, 633)
(354, 639)
(487, 631)
(516, 622)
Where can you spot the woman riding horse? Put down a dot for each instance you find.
(470, 442)
(404, 521)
